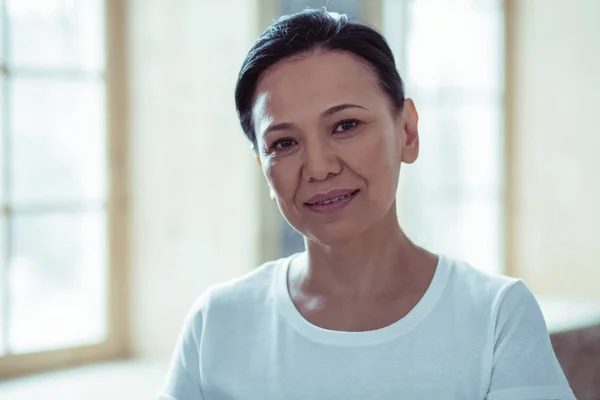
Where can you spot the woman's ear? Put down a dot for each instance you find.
(256, 154)
(410, 121)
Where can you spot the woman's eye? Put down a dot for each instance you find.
(345, 126)
(283, 144)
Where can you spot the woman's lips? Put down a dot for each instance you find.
(331, 201)
(330, 195)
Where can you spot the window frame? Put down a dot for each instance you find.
(116, 344)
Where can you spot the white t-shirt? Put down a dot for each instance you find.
(471, 336)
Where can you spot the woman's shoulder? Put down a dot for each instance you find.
(243, 292)
(251, 283)
(478, 280)
(478, 287)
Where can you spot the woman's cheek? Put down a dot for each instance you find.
(278, 179)
(370, 153)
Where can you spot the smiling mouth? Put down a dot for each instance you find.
(334, 200)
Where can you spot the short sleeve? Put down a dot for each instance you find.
(524, 364)
(183, 380)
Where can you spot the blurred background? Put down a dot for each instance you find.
(127, 187)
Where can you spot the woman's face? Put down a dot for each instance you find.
(330, 145)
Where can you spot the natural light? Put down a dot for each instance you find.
(54, 253)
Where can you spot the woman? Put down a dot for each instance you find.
(363, 313)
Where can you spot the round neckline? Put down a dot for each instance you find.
(315, 333)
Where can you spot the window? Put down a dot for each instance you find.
(53, 176)
(450, 55)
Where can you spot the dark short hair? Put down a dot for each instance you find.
(309, 30)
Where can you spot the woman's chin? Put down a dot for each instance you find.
(331, 236)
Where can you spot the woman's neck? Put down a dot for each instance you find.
(369, 265)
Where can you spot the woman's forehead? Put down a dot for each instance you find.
(315, 81)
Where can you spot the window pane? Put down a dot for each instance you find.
(3, 283)
(66, 34)
(461, 145)
(479, 231)
(451, 58)
(2, 140)
(454, 43)
(58, 141)
(57, 281)
(465, 227)
(2, 26)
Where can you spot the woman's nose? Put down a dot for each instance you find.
(320, 162)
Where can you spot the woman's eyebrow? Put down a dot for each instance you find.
(338, 108)
(279, 127)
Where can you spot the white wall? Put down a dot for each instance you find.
(556, 98)
(193, 176)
